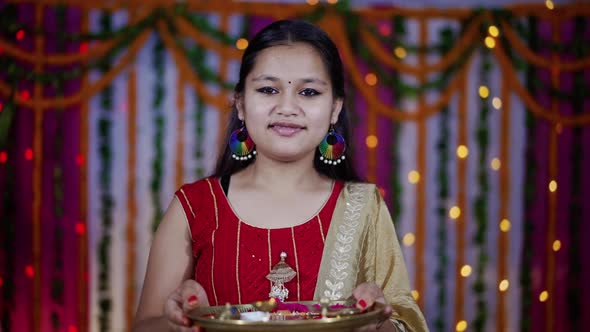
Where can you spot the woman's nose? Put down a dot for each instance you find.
(288, 105)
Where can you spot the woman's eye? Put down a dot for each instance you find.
(267, 90)
(309, 92)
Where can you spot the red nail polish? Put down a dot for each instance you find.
(363, 304)
(192, 300)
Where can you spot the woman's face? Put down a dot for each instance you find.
(287, 103)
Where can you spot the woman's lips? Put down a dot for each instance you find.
(286, 129)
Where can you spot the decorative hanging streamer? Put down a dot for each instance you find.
(480, 205)
(443, 175)
(199, 57)
(399, 26)
(551, 225)
(180, 120)
(526, 293)
(574, 280)
(106, 198)
(224, 115)
(7, 229)
(130, 229)
(460, 49)
(83, 274)
(57, 275)
(37, 176)
(159, 94)
(503, 237)
(91, 89)
(461, 201)
(371, 150)
(422, 138)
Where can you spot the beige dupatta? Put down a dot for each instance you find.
(361, 246)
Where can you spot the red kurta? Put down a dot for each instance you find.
(232, 258)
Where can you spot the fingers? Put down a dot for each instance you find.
(367, 294)
(173, 310)
(192, 295)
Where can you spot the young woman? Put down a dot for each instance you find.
(284, 191)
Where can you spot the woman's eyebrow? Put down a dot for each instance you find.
(276, 79)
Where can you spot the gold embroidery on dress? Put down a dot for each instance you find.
(237, 262)
(213, 242)
(341, 256)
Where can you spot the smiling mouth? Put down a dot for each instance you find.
(286, 129)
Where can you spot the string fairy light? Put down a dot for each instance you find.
(242, 44)
(413, 177)
(553, 186)
(400, 52)
(371, 79)
(462, 151)
(497, 103)
(543, 296)
(490, 42)
(372, 141)
(503, 285)
(549, 4)
(495, 164)
(505, 225)
(484, 91)
(409, 239)
(493, 31)
(461, 326)
(454, 212)
(556, 245)
(466, 270)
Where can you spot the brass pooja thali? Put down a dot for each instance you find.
(300, 316)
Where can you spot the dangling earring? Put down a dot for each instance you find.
(332, 147)
(241, 145)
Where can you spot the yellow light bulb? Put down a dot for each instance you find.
(413, 177)
(503, 285)
(493, 31)
(372, 141)
(495, 164)
(505, 225)
(409, 239)
(543, 296)
(454, 212)
(490, 42)
(556, 245)
(484, 91)
(461, 326)
(462, 151)
(312, 2)
(497, 103)
(241, 44)
(552, 186)
(400, 52)
(466, 271)
(549, 4)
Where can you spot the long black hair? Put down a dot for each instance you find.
(286, 32)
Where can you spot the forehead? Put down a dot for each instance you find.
(292, 61)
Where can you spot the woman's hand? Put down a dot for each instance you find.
(187, 296)
(366, 294)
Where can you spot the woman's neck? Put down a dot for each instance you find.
(280, 176)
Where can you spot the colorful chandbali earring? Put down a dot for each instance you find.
(241, 145)
(332, 148)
